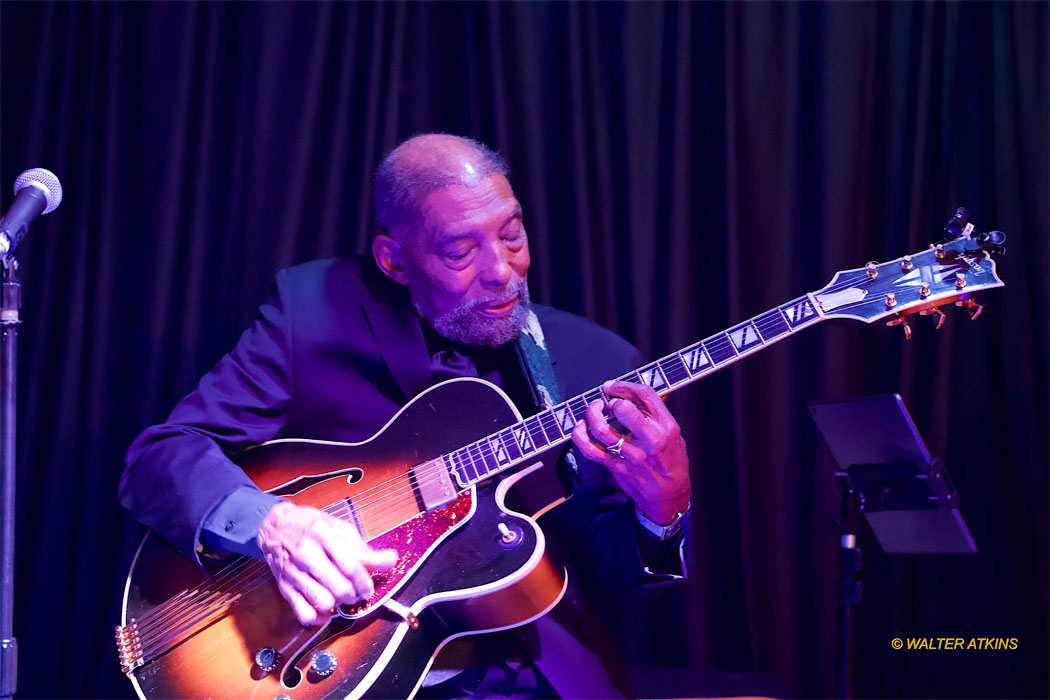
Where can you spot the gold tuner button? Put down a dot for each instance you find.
(940, 251)
(872, 268)
(891, 300)
(903, 323)
(960, 280)
(939, 320)
(906, 263)
(924, 290)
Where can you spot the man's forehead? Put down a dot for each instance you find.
(461, 207)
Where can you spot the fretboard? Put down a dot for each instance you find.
(527, 439)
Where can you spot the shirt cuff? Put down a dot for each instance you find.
(234, 524)
(659, 562)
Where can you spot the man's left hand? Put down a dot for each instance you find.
(652, 467)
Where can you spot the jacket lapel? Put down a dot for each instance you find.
(397, 331)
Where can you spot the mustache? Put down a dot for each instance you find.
(514, 290)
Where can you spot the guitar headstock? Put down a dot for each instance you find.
(952, 270)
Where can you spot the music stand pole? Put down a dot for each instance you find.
(11, 303)
(849, 591)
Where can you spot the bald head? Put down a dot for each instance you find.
(424, 164)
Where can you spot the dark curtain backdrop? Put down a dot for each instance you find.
(682, 167)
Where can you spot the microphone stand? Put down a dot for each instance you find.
(10, 303)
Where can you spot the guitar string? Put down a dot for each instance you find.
(210, 597)
(151, 645)
(438, 473)
(380, 492)
(224, 581)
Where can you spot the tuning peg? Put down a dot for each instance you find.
(903, 323)
(939, 321)
(972, 308)
(954, 228)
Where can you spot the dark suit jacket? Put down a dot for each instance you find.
(334, 352)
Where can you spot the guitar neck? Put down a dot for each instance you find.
(527, 439)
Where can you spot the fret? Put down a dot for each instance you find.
(744, 337)
(488, 459)
(577, 410)
(510, 442)
(632, 377)
(539, 435)
(563, 418)
(799, 312)
(499, 452)
(478, 461)
(719, 349)
(772, 325)
(696, 360)
(595, 394)
(652, 376)
(464, 465)
(550, 426)
(522, 437)
(674, 369)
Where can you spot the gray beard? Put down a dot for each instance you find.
(465, 326)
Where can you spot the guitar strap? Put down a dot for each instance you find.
(536, 362)
(587, 673)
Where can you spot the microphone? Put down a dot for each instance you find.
(37, 191)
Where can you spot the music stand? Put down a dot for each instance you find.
(886, 473)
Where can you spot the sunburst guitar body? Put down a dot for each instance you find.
(467, 564)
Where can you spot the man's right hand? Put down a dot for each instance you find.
(318, 561)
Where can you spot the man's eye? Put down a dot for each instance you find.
(459, 252)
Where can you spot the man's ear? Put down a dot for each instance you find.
(388, 256)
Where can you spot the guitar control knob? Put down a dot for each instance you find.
(506, 534)
(510, 537)
(267, 659)
(323, 663)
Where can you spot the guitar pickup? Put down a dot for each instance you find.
(434, 483)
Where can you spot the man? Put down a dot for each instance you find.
(342, 344)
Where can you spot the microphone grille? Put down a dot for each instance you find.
(44, 180)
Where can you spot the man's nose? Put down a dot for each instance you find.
(496, 270)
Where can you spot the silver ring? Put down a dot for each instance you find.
(614, 450)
